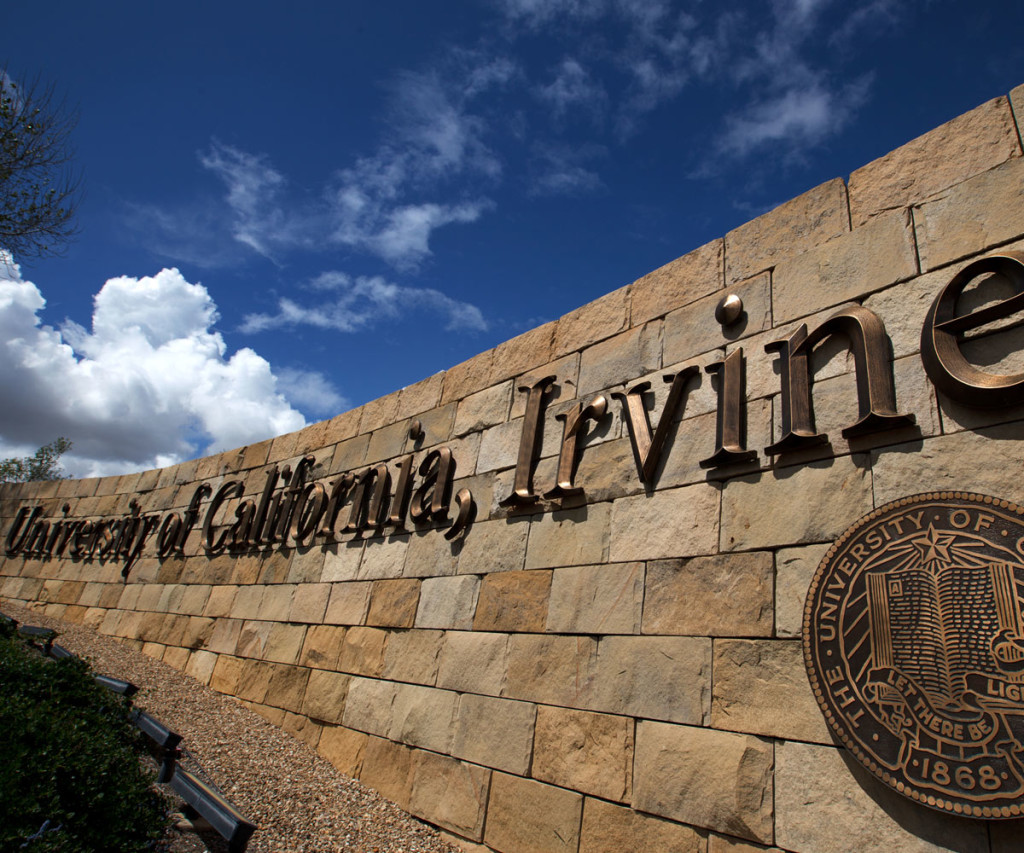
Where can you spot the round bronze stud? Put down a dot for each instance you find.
(729, 309)
(914, 646)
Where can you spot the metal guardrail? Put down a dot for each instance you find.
(199, 796)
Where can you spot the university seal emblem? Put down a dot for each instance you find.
(914, 646)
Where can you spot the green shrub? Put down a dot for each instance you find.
(70, 775)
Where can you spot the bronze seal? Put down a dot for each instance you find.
(914, 646)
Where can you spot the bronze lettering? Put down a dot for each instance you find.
(522, 487)
(568, 457)
(230, 489)
(731, 421)
(941, 335)
(646, 448)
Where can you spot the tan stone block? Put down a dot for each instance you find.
(973, 461)
(287, 687)
(303, 728)
(252, 639)
(198, 631)
(309, 603)
(583, 751)
(388, 442)
(306, 565)
(620, 359)
(419, 397)
(153, 650)
(467, 378)
(225, 636)
(247, 602)
(498, 545)
(436, 425)
(771, 509)
(523, 352)
(341, 561)
(413, 656)
(760, 687)
(499, 446)
(613, 829)
(384, 558)
(723, 844)
(593, 322)
(550, 669)
(201, 665)
(379, 412)
(720, 596)
(596, 599)
(494, 732)
(284, 643)
(677, 283)
(422, 716)
(847, 267)
(430, 554)
(473, 662)
(824, 801)
(350, 454)
(670, 523)
(325, 695)
(368, 705)
(716, 780)
(450, 793)
(254, 680)
(393, 603)
(483, 409)
(321, 646)
(968, 145)
(388, 769)
(348, 603)
(656, 678)
(692, 330)
(973, 216)
(362, 651)
(531, 817)
(794, 568)
(176, 657)
(221, 601)
(448, 602)
(793, 227)
(343, 748)
(569, 537)
(341, 427)
(276, 602)
(513, 601)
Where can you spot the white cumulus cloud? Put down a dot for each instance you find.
(151, 382)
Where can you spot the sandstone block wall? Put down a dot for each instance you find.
(619, 669)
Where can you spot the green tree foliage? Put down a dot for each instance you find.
(44, 464)
(70, 775)
(38, 187)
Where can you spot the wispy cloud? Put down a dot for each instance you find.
(361, 302)
(558, 169)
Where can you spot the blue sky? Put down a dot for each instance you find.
(355, 196)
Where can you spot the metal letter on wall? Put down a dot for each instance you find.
(941, 334)
(914, 646)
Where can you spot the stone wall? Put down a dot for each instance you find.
(612, 669)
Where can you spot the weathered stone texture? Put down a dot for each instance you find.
(595, 321)
(450, 793)
(720, 596)
(641, 530)
(483, 409)
(513, 601)
(705, 778)
(970, 217)
(610, 363)
(412, 656)
(794, 568)
(583, 751)
(847, 267)
(794, 227)
(494, 732)
(677, 283)
(609, 828)
(473, 662)
(448, 602)
(525, 816)
(768, 509)
(569, 537)
(823, 802)
(968, 145)
(422, 716)
(760, 687)
(393, 603)
(596, 599)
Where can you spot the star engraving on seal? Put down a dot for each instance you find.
(914, 646)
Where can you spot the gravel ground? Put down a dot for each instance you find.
(297, 799)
